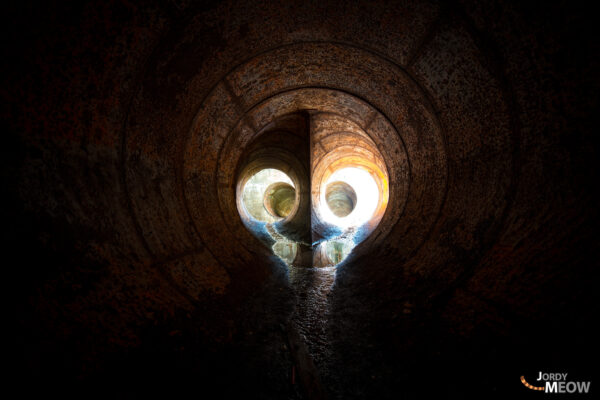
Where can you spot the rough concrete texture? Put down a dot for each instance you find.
(130, 125)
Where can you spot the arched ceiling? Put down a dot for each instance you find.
(130, 124)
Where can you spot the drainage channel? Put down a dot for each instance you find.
(307, 333)
(307, 330)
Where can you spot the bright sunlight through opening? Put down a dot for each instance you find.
(367, 197)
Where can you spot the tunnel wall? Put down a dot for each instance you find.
(118, 118)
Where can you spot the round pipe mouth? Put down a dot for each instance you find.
(279, 199)
(340, 198)
(338, 176)
(268, 195)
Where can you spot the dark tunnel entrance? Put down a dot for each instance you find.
(341, 198)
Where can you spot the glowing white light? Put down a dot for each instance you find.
(367, 197)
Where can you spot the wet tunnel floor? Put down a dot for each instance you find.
(312, 287)
(310, 319)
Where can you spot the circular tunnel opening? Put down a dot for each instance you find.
(340, 187)
(269, 196)
(341, 198)
(279, 199)
(352, 202)
(347, 207)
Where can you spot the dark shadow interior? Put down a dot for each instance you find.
(131, 126)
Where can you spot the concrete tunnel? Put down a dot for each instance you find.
(136, 270)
